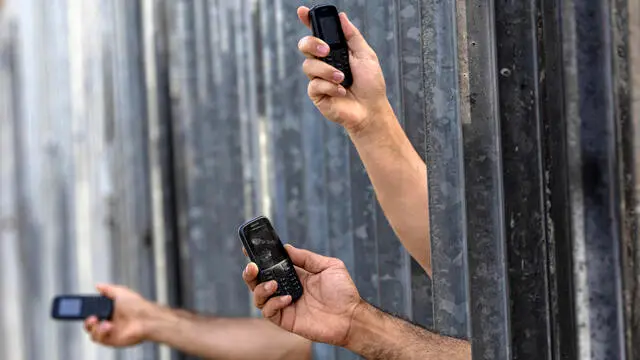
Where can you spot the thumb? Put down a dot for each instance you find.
(108, 290)
(354, 37)
(309, 261)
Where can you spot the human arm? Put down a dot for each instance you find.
(137, 320)
(377, 335)
(331, 311)
(398, 174)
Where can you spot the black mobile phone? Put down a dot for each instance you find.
(80, 307)
(326, 25)
(264, 248)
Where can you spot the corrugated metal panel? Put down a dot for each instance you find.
(138, 135)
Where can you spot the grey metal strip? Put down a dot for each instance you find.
(594, 187)
(411, 115)
(232, 211)
(363, 204)
(127, 142)
(12, 327)
(484, 193)
(631, 170)
(394, 261)
(180, 104)
(444, 157)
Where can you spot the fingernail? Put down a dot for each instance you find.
(323, 49)
(342, 91)
(338, 76)
(285, 299)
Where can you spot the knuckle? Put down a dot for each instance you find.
(258, 301)
(317, 84)
(304, 43)
(306, 65)
(337, 263)
(312, 89)
(267, 312)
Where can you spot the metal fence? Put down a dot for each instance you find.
(137, 135)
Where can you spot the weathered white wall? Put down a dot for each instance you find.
(73, 99)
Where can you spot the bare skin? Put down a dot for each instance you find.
(331, 311)
(137, 320)
(366, 114)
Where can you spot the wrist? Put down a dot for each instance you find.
(157, 322)
(377, 122)
(367, 329)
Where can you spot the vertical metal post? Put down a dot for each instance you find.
(444, 156)
(521, 130)
(486, 251)
(160, 159)
(394, 262)
(592, 177)
(12, 329)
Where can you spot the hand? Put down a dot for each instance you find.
(324, 312)
(355, 107)
(127, 327)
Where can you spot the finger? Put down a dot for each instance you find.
(303, 15)
(90, 323)
(313, 47)
(354, 37)
(315, 68)
(103, 331)
(273, 307)
(109, 290)
(244, 251)
(309, 261)
(95, 331)
(250, 275)
(302, 273)
(263, 292)
(319, 88)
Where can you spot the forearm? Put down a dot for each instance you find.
(376, 335)
(399, 177)
(225, 338)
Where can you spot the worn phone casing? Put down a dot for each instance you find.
(80, 307)
(326, 25)
(283, 273)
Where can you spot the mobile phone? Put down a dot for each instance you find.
(264, 248)
(80, 307)
(326, 25)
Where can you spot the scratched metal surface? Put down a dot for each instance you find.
(441, 103)
(137, 136)
(594, 186)
(79, 155)
(484, 191)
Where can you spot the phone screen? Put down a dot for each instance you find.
(70, 307)
(330, 30)
(266, 246)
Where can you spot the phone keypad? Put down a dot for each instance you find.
(285, 275)
(98, 306)
(339, 59)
